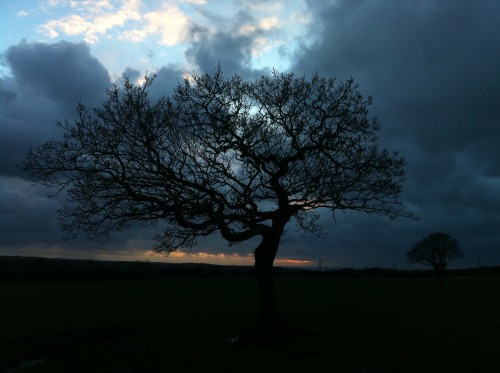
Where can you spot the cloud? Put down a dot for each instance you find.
(167, 79)
(95, 19)
(64, 72)
(250, 42)
(431, 67)
(23, 214)
(230, 42)
(420, 57)
(170, 24)
(46, 82)
(264, 24)
(70, 25)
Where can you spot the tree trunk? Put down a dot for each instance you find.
(270, 324)
(264, 273)
(439, 274)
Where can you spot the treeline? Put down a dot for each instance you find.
(18, 268)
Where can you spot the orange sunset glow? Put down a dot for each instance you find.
(145, 255)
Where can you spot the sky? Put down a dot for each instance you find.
(431, 66)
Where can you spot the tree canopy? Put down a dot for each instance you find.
(220, 155)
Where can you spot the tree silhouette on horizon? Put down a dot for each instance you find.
(435, 250)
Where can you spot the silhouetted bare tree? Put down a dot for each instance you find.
(436, 250)
(240, 158)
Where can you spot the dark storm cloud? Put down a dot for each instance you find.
(65, 72)
(432, 68)
(429, 61)
(26, 214)
(46, 83)
(167, 79)
(131, 73)
(232, 51)
(229, 47)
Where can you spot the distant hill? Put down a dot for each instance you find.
(36, 268)
(19, 268)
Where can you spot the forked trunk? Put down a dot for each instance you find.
(270, 325)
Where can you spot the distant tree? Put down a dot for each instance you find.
(229, 156)
(436, 250)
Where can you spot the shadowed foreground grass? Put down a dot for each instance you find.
(181, 325)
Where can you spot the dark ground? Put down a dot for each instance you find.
(355, 321)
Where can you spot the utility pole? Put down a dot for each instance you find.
(320, 266)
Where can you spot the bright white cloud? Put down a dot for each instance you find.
(92, 19)
(269, 23)
(110, 20)
(262, 44)
(265, 24)
(196, 2)
(69, 25)
(170, 24)
(268, 7)
(93, 5)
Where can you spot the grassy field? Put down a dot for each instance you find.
(181, 325)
